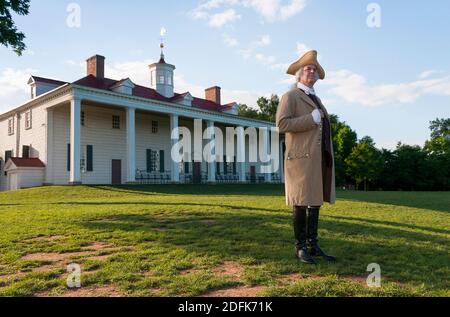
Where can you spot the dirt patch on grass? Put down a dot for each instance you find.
(92, 249)
(229, 268)
(103, 291)
(45, 238)
(98, 246)
(241, 291)
(10, 276)
(54, 257)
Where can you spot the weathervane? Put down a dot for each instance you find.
(162, 33)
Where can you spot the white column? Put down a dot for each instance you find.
(212, 142)
(75, 148)
(174, 167)
(266, 149)
(241, 153)
(131, 144)
(281, 162)
(49, 139)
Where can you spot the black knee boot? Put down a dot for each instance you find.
(312, 235)
(300, 227)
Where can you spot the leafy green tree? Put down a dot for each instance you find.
(438, 151)
(247, 112)
(410, 168)
(344, 140)
(267, 109)
(364, 162)
(9, 34)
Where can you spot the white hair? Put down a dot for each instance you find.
(299, 74)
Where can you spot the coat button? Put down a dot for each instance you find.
(307, 155)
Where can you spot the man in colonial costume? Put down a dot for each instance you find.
(309, 160)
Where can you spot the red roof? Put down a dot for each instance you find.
(144, 92)
(48, 81)
(27, 162)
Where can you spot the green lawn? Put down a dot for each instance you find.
(194, 240)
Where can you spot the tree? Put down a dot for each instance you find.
(247, 112)
(438, 153)
(364, 162)
(344, 140)
(267, 109)
(9, 34)
(410, 168)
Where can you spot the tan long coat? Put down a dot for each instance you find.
(303, 158)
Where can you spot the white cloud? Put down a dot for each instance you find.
(215, 20)
(302, 48)
(266, 60)
(230, 41)
(275, 10)
(263, 41)
(220, 19)
(354, 88)
(428, 73)
(14, 89)
(137, 71)
(270, 10)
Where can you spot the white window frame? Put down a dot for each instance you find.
(155, 126)
(11, 126)
(28, 120)
(114, 126)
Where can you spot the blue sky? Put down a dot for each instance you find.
(385, 82)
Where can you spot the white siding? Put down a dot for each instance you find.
(27, 177)
(108, 143)
(7, 143)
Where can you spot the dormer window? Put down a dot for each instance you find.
(169, 80)
(161, 79)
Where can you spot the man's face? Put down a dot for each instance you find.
(309, 75)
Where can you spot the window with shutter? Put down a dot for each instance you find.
(25, 151)
(149, 161)
(116, 122)
(68, 157)
(89, 158)
(161, 161)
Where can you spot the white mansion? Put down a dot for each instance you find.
(98, 130)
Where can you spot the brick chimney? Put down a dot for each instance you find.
(96, 66)
(213, 94)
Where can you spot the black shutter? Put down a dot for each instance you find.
(225, 165)
(149, 161)
(161, 161)
(90, 159)
(218, 168)
(68, 157)
(186, 167)
(25, 151)
(8, 155)
(234, 166)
